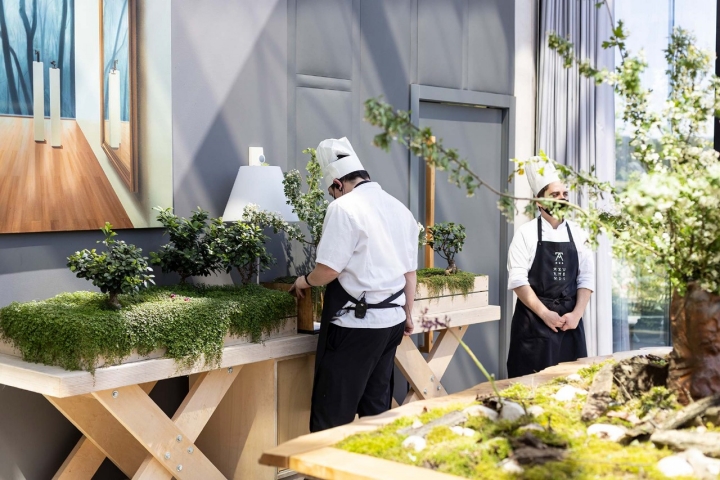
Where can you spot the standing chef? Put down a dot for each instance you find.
(367, 257)
(552, 272)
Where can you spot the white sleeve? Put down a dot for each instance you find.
(518, 263)
(412, 250)
(339, 239)
(586, 260)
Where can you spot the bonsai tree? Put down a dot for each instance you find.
(447, 240)
(667, 217)
(188, 253)
(120, 269)
(240, 245)
(310, 207)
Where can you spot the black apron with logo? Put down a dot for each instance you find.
(553, 278)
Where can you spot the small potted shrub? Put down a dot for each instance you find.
(188, 253)
(120, 269)
(450, 289)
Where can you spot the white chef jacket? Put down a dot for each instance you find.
(371, 238)
(524, 245)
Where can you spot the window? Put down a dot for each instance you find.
(641, 301)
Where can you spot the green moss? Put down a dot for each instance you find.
(72, 330)
(435, 279)
(587, 373)
(440, 434)
(587, 457)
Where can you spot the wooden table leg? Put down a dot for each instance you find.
(82, 463)
(411, 363)
(145, 421)
(416, 370)
(193, 414)
(95, 423)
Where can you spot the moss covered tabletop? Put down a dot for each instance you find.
(327, 454)
(60, 342)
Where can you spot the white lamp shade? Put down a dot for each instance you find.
(261, 186)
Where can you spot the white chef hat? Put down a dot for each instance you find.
(332, 167)
(540, 174)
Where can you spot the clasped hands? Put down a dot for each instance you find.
(555, 322)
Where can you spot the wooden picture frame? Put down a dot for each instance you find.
(124, 161)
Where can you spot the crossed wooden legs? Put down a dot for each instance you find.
(125, 425)
(424, 376)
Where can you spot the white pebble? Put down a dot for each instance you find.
(702, 465)
(675, 466)
(412, 457)
(607, 432)
(511, 411)
(567, 393)
(481, 411)
(532, 426)
(413, 441)
(536, 410)
(511, 466)
(417, 424)
(466, 432)
(574, 377)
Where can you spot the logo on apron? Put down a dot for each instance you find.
(558, 271)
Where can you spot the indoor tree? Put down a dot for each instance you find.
(121, 269)
(666, 219)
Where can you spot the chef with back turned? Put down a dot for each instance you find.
(367, 257)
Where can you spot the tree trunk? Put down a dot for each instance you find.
(22, 82)
(113, 300)
(4, 39)
(695, 359)
(30, 28)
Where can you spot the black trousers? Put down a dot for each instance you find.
(354, 375)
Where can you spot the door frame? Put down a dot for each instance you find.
(505, 103)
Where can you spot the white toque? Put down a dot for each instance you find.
(327, 156)
(540, 173)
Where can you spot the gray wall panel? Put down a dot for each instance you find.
(477, 134)
(229, 93)
(385, 58)
(320, 114)
(440, 42)
(491, 45)
(324, 38)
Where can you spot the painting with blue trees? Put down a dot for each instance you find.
(115, 44)
(26, 26)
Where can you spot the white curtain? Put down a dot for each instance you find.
(576, 126)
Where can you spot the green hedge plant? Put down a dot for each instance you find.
(189, 251)
(73, 330)
(120, 269)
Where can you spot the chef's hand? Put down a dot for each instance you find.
(571, 321)
(553, 320)
(297, 289)
(409, 326)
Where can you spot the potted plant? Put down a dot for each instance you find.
(448, 290)
(310, 207)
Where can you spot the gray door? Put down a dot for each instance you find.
(477, 134)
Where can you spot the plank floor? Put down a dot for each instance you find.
(45, 189)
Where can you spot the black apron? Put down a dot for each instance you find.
(334, 300)
(553, 278)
